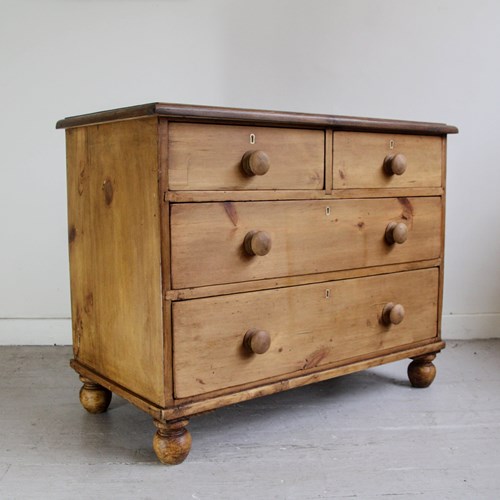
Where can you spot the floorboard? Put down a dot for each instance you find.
(366, 435)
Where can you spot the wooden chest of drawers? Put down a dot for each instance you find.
(218, 255)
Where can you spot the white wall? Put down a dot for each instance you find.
(431, 60)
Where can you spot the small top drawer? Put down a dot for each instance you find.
(368, 160)
(210, 157)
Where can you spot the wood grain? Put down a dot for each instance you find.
(114, 228)
(188, 112)
(297, 194)
(172, 441)
(137, 400)
(309, 326)
(443, 229)
(328, 162)
(267, 284)
(421, 371)
(203, 403)
(209, 157)
(208, 402)
(93, 397)
(358, 160)
(162, 138)
(221, 254)
(207, 238)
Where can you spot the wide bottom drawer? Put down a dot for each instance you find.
(307, 326)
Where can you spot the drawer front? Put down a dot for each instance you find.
(209, 157)
(308, 326)
(306, 237)
(358, 160)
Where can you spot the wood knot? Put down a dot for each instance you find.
(72, 233)
(89, 303)
(315, 358)
(107, 187)
(408, 209)
(231, 212)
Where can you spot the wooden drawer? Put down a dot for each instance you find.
(208, 157)
(207, 239)
(358, 160)
(309, 326)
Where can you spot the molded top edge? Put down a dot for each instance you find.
(261, 117)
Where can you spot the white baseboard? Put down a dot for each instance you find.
(35, 331)
(470, 326)
(57, 331)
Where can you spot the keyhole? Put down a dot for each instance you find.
(252, 139)
(391, 144)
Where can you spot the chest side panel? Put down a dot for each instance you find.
(114, 238)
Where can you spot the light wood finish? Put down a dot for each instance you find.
(350, 235)
(114, 217)
(328, 162)
(358, 160)
(421, 371)
(267, 284)
(204, 403)
(219, 255)
(172, 441)
(282, 195)
(138, 400)
(296, 156)
(310, 326)
(93, 397)
(443, 226)
(165, 256)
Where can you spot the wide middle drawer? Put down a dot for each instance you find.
(302, 237)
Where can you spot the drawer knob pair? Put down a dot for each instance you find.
(257, 341)
(257, 243)
(255, 163)
(395, 164)
(396, 232)
(393, 314)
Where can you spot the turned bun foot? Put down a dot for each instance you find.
(94, 397)
(421, 371)
(172, 441)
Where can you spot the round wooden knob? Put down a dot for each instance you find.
(393, 314)
(257, 341)
(257, 243)
(255, 163)
(396, 232)
(395, 164)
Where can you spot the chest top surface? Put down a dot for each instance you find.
(240, 115)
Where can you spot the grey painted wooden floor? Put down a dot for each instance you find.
(366, 435)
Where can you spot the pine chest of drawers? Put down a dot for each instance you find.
(218, 255)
